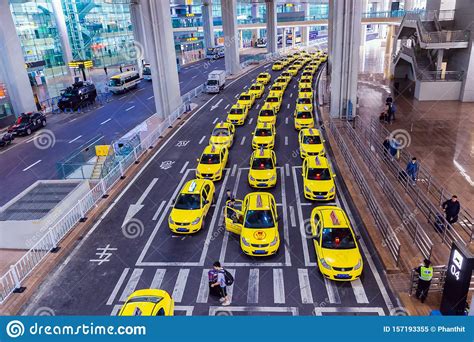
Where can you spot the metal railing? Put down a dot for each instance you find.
(390, 239)
(406, 215)
(437, 282)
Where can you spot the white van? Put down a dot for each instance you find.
(215, 81)
(123, 82)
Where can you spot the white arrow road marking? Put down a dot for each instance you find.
(133, 209)
(217, 104)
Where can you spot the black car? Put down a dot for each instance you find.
(6, 139)
(27, 123)
(76, 96)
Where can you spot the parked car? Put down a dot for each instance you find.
(79, 94)
(27, 123)
(6, 139)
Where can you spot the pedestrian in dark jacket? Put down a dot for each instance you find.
(412, 169)
(388, 100)
(390, 113)
(451, 208)
(425, 274)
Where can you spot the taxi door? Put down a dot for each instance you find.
(234, 217)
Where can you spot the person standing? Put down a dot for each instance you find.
(105, 70)
(451, 208)
(412, 169)
(425, 274)
(221, 283)
(388, 100)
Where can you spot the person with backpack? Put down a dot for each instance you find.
(412, 169)
(224, 279)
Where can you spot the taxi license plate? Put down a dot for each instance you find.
(182, 229)
(262, 184)
(320, 197)
(260, 252)
(343, 276)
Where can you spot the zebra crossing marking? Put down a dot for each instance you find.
(359, 292)
(117, 287)
(227, 311)
(132, 284)
(181, 281)
(203, 294)
(158, 278)
(252, 291)
(278, 286)
(319, 311)
(333, 294)
(305, 287)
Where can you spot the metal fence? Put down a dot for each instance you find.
(437, 283)
(406, 215)
(390, 239)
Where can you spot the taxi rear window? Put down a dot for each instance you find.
(244, 97)
(319, 174)
(262, 164)
(272, 99)
(312, 139)
(263, 132)
(303, 115)
(236, 111)
(337, 238)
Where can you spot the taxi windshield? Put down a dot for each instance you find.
(319, 174)
(304, 100)
(272, 99)
(337, 238)
(312, 139)
(188, 202)
(262, 76)
(286, 74)
(210, 159)
(266, 112)
(236, 111)
(277, 88)
(303, 115)
(255, 87)
(263, 132)
(220, 132)
(306, 90)
(262, 164)
(259, 219)
(244, 97)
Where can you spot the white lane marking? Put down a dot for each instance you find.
(333, 294)
(291, 95)
(305, 287)
(246, 86)
(258, 105)
(227, 106)
(286, 140)
(203, 294)
(129, 108)
(286, 121)
(149, 98)
(116, 309)
(292, 216)
(132, 284)
(76, 138)
(286, 231)
(215, 120)
(202, 139)
(288, 106)
(184, 167)
(104, 122)
(158, 211)
(287, 170)
(243, 140)
(117, 287)
(230, 289)
(250, 121)
(181, 281)
(122, 97)
(252, 290)
(217, 104)
(278, 286)
(294, 86)
(194, 76)
(32, 139)
(359, 292)
(141, 89)
(158, 278)
(29, 167)
(234, 169)
(237, 95)
(73, 120)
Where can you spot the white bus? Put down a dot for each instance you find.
(123, 82)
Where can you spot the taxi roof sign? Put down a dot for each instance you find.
(261, 151)
(334, 218)
(318, 162)
(192, 186)
(311, 131)
(259, 201)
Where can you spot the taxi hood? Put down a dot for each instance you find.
(341, 257)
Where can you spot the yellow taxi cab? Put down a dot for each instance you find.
(148, 302)
(287, 75)
(212, 162)
(305, 92)
(273, 101)
(257, 89)
(281, 81)
(264, 78)
(278, 88)
(285, 61)
(293, 70)
(290, 59)
(304, 103)
(335, 243)
(246, 99)
(263, 172)
(305, 82)
(310, 69)
(311, 143)
(307, 75)
(267, 114)
(298, 64)
(264, 135)
(237, 114)
(323, 58)
(278, 65)
(222, 134)
(318, 179)
(191, 206)
(256, 223)
(303, 119)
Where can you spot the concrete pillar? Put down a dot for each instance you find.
(208, 26)
(345, 45)
(439, 59)
(60, 21)
(283, 38)
(293, 37)
(272, 37)
(140, 42)
(409, 4)
(241, 39)
(162, 56)
(305, 29)
(254, 14)
(229, 26)
(12, 64)
(363, 28)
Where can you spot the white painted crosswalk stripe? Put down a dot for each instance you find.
(230, 289)
(117, 286)
(202, 139)
(181, 281)
(250, 121)
(333, 294)
(252, 291)
(158, 278)
(359, 292)
(132, 284)
(203, 294)
(278, 286)
(305, 287)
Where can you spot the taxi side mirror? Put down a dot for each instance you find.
(197, 160)
(206, 202)
(315, 237)
(333, 176)
(324, 141)
(173, 201)
(357, 237)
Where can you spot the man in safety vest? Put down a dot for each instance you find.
(425, 274)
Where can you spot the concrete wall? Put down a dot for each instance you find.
(438, 91)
